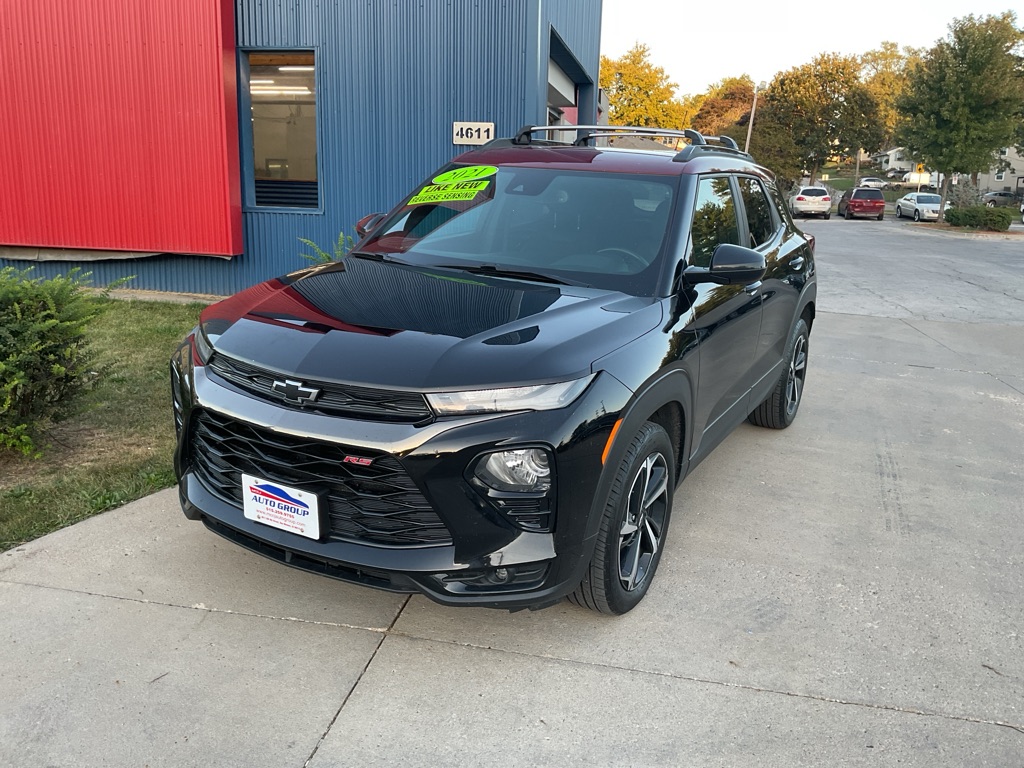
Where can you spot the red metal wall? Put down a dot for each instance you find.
(119, 125)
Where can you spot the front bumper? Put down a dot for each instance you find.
(490, 560)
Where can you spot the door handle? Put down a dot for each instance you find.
(753, 288)
(797, 262)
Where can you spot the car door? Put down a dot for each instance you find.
(726, 318)
(786, 263)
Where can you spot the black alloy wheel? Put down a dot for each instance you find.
(632, 533)
(780, 407)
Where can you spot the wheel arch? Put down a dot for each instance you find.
(665, 401)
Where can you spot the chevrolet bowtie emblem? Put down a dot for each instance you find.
(295, 391)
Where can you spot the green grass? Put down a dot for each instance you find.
(119, 447)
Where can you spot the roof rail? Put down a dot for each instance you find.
(524, 134)
(699, 143)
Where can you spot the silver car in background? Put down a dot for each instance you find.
(811, 201)
(919, 206)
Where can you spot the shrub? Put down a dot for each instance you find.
(320, 256)
(980, 217)
(965, 194)
(44, 360)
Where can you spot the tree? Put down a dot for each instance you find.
(771, 143)
(640, 93)
(964, 101)
(885, 74)
(826, 108)
(725, 104)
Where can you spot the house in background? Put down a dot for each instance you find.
(895, 161)
(1007, 176)
(192, 143)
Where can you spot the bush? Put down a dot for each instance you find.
(44, 360)
(980, 217)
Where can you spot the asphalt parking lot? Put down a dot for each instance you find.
(845, 592)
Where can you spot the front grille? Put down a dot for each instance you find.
(376, 504)
(334, 400)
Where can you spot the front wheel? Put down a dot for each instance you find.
(779, 409)
(899, 212)
(633, 527)
(917, 215)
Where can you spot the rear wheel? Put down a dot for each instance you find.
(828, 215)
(632, 532)
(848, 214)
(779, 409)
(881, 215)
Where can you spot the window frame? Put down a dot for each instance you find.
(246, 139)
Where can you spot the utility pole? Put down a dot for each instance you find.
(753, 110)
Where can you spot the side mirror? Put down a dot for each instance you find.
(368, 222)
(730, 264)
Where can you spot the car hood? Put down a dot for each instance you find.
(405, 327)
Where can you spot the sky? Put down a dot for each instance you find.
(698, 45)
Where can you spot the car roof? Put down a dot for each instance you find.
(569, 157)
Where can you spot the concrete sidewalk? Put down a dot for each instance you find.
(846, 592)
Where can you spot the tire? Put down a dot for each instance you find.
(917, 215)
(848, 215)
(899, 212)
(828, 215)
(779, 409)
(632, 534)
(990, 204)
(881, 215)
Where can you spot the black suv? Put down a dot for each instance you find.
(492, 398)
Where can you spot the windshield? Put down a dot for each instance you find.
(930, 199)
(601, 229)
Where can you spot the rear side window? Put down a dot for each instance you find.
(760, 217)
(868, 194)
(714, 219)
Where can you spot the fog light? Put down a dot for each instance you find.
(522, 469)
(501, 574)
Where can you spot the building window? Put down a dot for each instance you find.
(282, 92)
(1001, 176)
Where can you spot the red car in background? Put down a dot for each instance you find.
(862, 201)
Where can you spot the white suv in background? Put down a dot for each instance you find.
(811, 201)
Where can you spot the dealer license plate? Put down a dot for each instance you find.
(281, 506)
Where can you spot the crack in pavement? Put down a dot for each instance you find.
(366, 666)
(739, 686)
(202, 607)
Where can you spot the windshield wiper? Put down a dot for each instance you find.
(380, 256)
(496, 271)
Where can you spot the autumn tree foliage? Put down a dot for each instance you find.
(725, 104)
(965, 99)
(639, 93)
(884, 72)
(826, 108)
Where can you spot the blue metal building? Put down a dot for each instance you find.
(373, 89)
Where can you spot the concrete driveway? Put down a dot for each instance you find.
(846, 592)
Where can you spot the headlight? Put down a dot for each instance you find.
(541, 397)
(522, 469)
(202, 345)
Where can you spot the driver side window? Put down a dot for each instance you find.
(714, 219)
